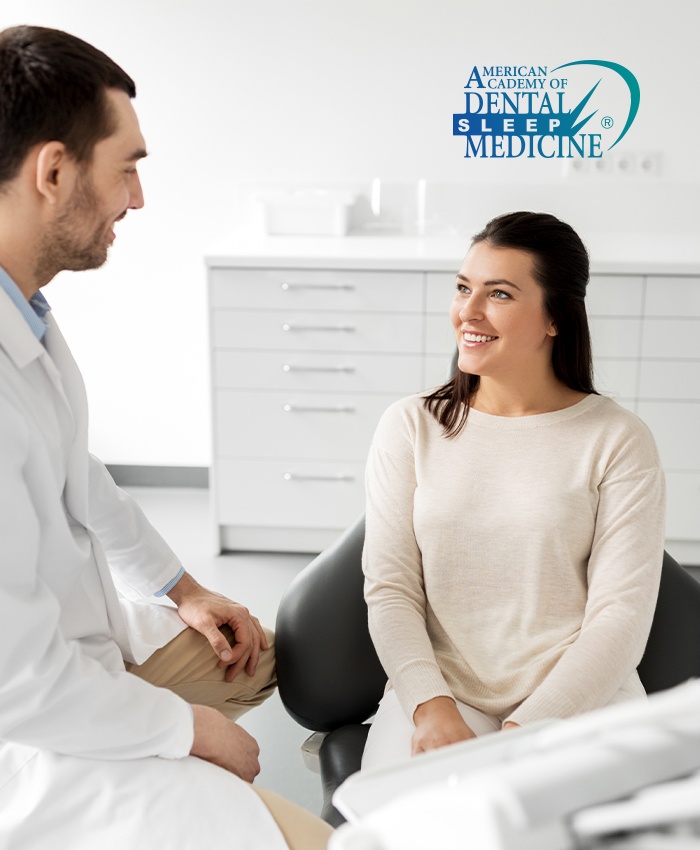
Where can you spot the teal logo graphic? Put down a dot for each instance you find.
(532, 111)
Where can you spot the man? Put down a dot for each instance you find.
(96, 735)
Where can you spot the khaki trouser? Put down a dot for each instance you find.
(188, 666)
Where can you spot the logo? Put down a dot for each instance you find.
(576, 110)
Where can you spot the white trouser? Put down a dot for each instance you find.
(389, 739)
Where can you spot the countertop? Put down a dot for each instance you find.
(619, 253)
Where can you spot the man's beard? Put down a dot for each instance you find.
(74, 242)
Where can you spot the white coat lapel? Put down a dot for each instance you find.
(76, 491)
(64, 373)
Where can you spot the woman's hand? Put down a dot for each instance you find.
(438, 723)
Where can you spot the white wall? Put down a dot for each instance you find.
(239, 92)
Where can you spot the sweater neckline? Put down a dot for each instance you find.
(536, 420)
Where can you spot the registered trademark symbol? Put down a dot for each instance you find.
(607, 122)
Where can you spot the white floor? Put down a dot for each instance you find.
(258, 581)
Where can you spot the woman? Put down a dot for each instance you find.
(514, 516)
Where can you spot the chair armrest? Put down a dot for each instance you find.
(328, 673)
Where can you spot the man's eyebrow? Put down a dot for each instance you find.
(139, 153)
(492, 282)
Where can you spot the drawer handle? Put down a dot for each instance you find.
(349, 287)
(286, 327)
(304, 408)
(297, 476)
(290, 367)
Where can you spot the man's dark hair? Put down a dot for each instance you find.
(561, 268)
(53, 88)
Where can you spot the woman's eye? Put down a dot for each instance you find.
(462, 288)
(499, 293)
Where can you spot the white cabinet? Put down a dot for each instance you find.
(669, 400)
(305, 360)
(646, 342)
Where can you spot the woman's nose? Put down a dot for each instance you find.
(472, 308)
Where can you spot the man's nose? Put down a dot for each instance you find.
(135, 192)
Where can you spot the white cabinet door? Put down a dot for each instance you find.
(615, 337)
(615, 295)
(318, 331)
(675, 380)
(675, 426)
(295, 494)
(315, 426)
(305, 370)
(312, 289)
(440, 288)
(673, 296)
(616, 378)
(674, 339)
(683, 506)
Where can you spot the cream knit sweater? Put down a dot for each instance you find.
(517, 565)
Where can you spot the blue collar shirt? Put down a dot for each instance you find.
(33, 310)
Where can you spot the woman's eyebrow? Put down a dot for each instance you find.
(492, 282)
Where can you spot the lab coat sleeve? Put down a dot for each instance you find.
(135, 551)
(392, 564)
(52, 694)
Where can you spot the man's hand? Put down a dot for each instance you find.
(438, 723)
(224, 743)
(205, 611)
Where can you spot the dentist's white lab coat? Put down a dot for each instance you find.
(90, 756)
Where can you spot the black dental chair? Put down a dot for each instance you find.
(330, 679)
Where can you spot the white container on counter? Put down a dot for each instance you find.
(306, 212)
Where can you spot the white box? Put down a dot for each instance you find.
(306, 213)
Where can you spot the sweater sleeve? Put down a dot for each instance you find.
(394, 587)
(624, 570)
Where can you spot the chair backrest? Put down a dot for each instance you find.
(672, 653)
(328, 673)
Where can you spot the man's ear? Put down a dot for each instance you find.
(53, 167)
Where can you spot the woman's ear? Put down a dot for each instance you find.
(52, 163)
(552, 329)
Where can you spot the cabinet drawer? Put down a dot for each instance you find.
(677, 339)
(289, 494)
(293, 370)
(437, 371)
(673, 296)
(615, 295)
(440, 337)
(617, 378)
(670, 379)
(313, 289)
(683, 506)
(318, 331)
(320, 426)
(617, 337)
(675, 426)
(440, 288)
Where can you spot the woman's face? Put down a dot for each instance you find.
(498, 315)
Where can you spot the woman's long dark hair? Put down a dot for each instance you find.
(561, 268)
